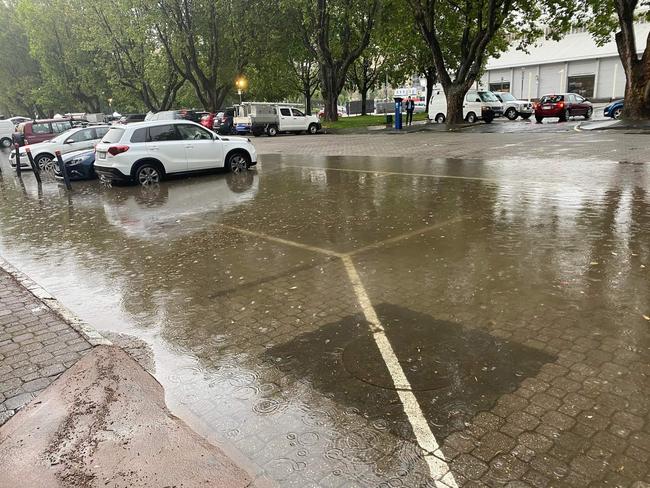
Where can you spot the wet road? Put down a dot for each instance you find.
(505, 300)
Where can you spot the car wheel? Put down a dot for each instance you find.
(148, 174)
(471, 118)
(511, 113)
(272, 131)
(237, 162)
(440, 118)
(6, 142)
(539, 119)
(45, 162)
(488, 119)
(618, 113)
(313, 129)
(525, 116)
(590, 112)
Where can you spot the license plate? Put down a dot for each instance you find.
(101, 154)
(547, 107)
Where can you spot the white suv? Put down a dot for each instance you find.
(147, 151)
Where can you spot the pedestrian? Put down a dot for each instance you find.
(410, 107)
(208, 121)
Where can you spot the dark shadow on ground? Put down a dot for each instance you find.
(455, 371)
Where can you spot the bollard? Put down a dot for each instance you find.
(35, 168)
(18, 170)
(64, 172)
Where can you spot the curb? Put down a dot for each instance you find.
(93, 337)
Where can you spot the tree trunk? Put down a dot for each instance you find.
(430, 76)
(455, 98)
(364, 101)
(307, 94)
(329, 88)
(637, 91)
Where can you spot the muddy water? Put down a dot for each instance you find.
(483, 273)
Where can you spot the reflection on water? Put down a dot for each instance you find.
(263, 345)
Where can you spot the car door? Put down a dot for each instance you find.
(472, 104)
(82, 139)
(165, 145)
(581, 106)
(203, 149)
(286, 119)
(298, 119)
(570, 100)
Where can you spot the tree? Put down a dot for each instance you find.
(20, 74)
(462, 35)
(602, 18)
(366, 72)
(121, 29)
(69, 65)
(306, 76)
(210, 42)
(336, 32)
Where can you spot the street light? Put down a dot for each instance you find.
(241, 84)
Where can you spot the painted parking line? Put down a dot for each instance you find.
(438, 467)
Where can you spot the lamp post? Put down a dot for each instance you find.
(240, 83)
(521, 93)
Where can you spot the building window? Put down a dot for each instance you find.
(582, 85)
(500, 86)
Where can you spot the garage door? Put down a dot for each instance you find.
(551, 80)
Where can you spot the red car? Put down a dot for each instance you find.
(37, 131)
(562, 106)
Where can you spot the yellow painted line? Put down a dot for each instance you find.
(401, 237)
(436, 462)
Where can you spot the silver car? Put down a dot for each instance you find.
(513, 108)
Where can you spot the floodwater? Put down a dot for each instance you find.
(493, 281)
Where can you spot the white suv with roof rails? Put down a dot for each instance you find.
(146, 152)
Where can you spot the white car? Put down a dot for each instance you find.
(7, 130)
(477, 105)
(513, 108)
(146, 152)
(44, 153)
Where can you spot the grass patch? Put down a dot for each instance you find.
(365, 121)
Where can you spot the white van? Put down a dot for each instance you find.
(7, 130)
(481, 105)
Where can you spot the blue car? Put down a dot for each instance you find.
(614, 109)
(80, 165)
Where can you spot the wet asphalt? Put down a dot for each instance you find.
(515, 297)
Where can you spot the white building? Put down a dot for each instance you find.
(573, 64)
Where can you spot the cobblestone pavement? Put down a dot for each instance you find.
(514, 293)
(36, 346)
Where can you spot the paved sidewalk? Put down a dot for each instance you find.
(36, 346)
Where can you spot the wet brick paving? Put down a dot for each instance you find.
(513, 295)
(36, 346)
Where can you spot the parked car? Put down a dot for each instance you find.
(563, 106)
(340, 111)
(271, 119)
(191, 115)
(513, 107)
(614, 109)
(6, 133)
(481, 105)
(224, 122)
(19, 120)
(130, 118)
(80, 165)
(36, 131)
(146, 152)
(67, 142)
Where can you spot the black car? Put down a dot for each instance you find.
(80, 165)
(225, 124)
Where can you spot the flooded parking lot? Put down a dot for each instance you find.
(354, 321)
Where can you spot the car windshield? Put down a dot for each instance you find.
(551, 98)
(488, 96)
(507, 97)
(113, 135)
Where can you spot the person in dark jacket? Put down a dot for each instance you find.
(410, 108)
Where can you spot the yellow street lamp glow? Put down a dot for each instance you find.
(240, 83)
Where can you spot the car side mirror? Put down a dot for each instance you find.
(69, 141)
(477, 100)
